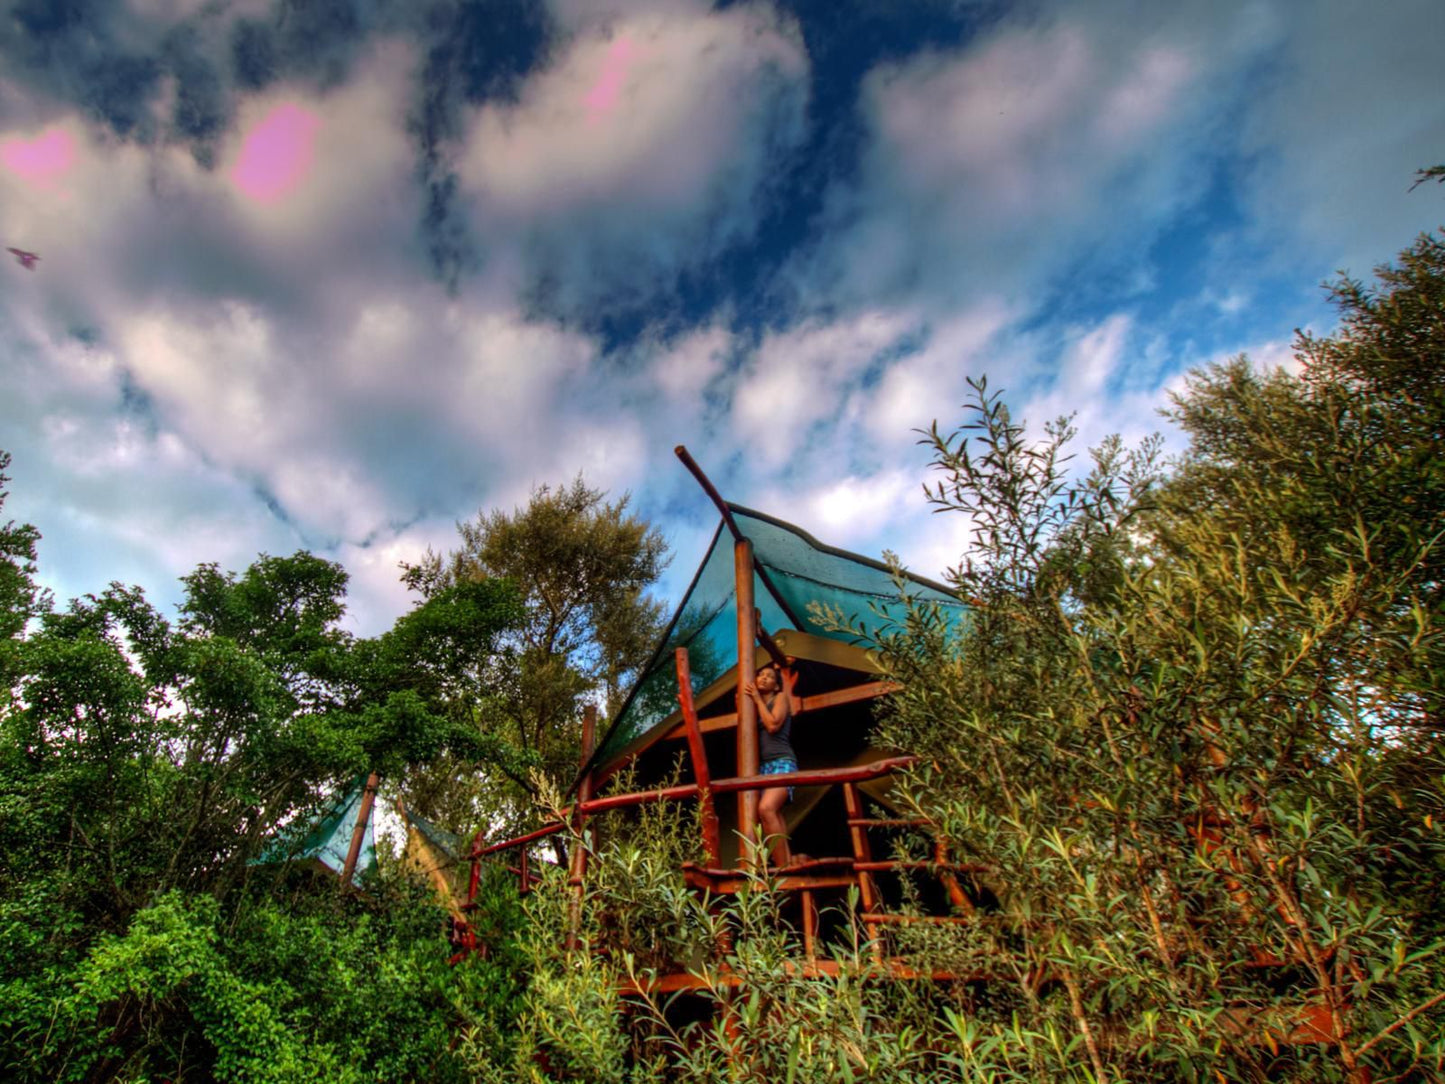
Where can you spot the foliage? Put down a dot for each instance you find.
(20, 598)
(575, 1022)
(582, 566)
(1193, 725)
(143, 766)
(326, 989)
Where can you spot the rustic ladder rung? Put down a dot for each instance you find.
(888, 822)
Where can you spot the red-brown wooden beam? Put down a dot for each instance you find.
(701, 774)
(869, 690)
(519, 841)
(358, 833)
(816, 777)
(747, 737)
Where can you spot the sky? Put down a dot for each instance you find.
(335, 274)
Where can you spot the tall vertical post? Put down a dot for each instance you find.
(747, 710)
(579, 848)
(358, 834)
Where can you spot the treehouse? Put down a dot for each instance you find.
(766, 590)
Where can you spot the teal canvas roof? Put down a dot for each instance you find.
(804, 575)
(326, 836)
(448, 843)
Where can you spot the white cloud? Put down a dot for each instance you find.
(684, 372)
(653, 115)
(929, 384)
(375, 594)
(350, 201)
(1353, 110)
(991, 165)
(797, 379)
(510, 371)
(854, 508)
(115, 496)
(642, 150)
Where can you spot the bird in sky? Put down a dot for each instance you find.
(27, 259)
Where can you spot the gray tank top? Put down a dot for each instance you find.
(771, 746)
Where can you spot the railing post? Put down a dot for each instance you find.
(747, 745)
(701, 774)
(862, 852)
(579, 844)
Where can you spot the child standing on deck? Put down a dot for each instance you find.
(772, 692)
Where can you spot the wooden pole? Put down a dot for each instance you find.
(812, 777)
(747, 742)
(711, 490)
(579, 846)
(700, 770)
(862, 855)
(358, 834)
(732, 525)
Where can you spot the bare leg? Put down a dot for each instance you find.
(770, 812)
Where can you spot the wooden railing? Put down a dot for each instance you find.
(858, 869)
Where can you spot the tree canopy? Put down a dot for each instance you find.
(582, 567)
(144, 764)
(1194, 726)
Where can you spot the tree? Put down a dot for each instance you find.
(1193, 725)
(582, 567)
(143, 766)
(20, 599)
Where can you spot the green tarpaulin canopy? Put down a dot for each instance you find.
(806, 575)
(326, 837)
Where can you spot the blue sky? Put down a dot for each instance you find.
(334, 274)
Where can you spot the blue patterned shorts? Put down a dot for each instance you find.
(779, 766)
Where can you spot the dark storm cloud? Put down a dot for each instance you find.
(254, 54)
(71, 50)
(201, 110)
(476, 51)
(737, 275)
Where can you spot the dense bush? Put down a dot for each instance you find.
(1192, 731)
(143, 767)
(1194, 724)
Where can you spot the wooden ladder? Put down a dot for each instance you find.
(865, 866)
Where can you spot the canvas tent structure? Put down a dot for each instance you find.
(339, 839)
(766, 588)
(433, 852)
(817, 599)
(798, 582)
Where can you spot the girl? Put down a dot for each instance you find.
(772, 692)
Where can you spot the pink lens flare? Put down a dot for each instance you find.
(602, 98)
(277, 154)
(41, 161)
